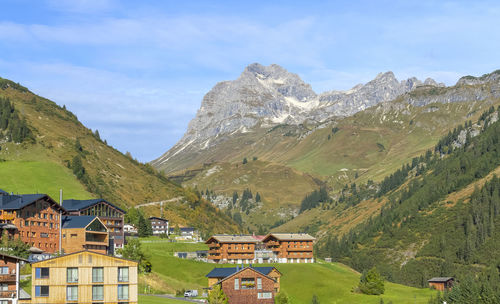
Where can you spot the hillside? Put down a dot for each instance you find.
(59, 152)
(366, 146)
(439, 219)
(331, 282)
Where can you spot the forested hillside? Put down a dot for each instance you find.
(44, 148)
(432, 223)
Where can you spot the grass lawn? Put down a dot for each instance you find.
(27, 177)
(330, 282)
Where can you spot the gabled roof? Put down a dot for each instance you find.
(77, 205)
(158, 218)
(3, 192)
(243, 269)
(85, 251)
(228, 271)
(3, 255)
(290, 236)
(440, 279)
(80, 221)
(16, 202)
(228, 238)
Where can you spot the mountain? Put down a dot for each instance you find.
(267, 96)
(44, 148)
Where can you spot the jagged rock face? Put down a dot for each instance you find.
(269, 95)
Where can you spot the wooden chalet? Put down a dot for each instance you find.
(441, 283)
(10, 292)
(159, 225)
(84, 277)
(247, 285)
(224, 248)
(84, 232)
(291, 247)
(34, 218)
(109, 214)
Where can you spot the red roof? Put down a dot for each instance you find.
(258, 237)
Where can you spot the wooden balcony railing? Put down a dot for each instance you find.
(7, 277)
(272, 243)
(8, 294)
(299, 249)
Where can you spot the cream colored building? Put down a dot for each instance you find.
(84, 277)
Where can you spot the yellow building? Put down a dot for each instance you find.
(84, 277)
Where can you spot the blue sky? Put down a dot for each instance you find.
(137, 70)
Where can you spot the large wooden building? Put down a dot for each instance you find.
(273, 248)
(10, 291)
(291, 247)
(225, 248)
(159, 225)
(247, 285)
(109, 214)
(84, 277)
(84, 232)
(34, 218)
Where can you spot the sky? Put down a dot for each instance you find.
(138, 70)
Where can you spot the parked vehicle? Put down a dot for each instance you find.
(191, 293)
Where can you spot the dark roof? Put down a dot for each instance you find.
(2, 255)
(440, 279)
(76, 205)
(81, 221)
(181, 229)
(16, 202)
(225, 272)
(158, 218)
(3, 192)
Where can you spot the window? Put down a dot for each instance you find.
(4, 301)
(26, 223)
(247, 283)
(97, 293)
(265, 295)
(4, 270)
(122, 292)
(42, 291)
(72, 275)
(72, 293)
(44, 235)
(42, 273)
(259, 283)
(97, 274)
(122, 274)
(51, 216)
(4, 287)
(236, 284)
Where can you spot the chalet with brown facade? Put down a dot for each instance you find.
(109, 214)
(247, 285)
(159, 225)
(84, 232)
(231, 248)
(10, 291)
(35, 218)
(441, 283)
(291, 247)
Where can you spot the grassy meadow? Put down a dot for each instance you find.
(330, 282)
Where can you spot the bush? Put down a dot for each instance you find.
(371, 283)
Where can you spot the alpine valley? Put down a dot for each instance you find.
(394, 174)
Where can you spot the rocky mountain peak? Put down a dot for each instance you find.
(268, 95)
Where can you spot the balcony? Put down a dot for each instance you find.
(214, 252)
(7, 277)
(299, 249)
(240, 251)
(240, 257)
(272, 243)
(8, 294)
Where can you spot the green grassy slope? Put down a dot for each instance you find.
(331, 282)
(40, 177)
(44, 165)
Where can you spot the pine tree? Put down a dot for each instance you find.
(217, 296)
(144, 226)
(371, 283)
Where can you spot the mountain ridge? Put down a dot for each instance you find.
(267, 96)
